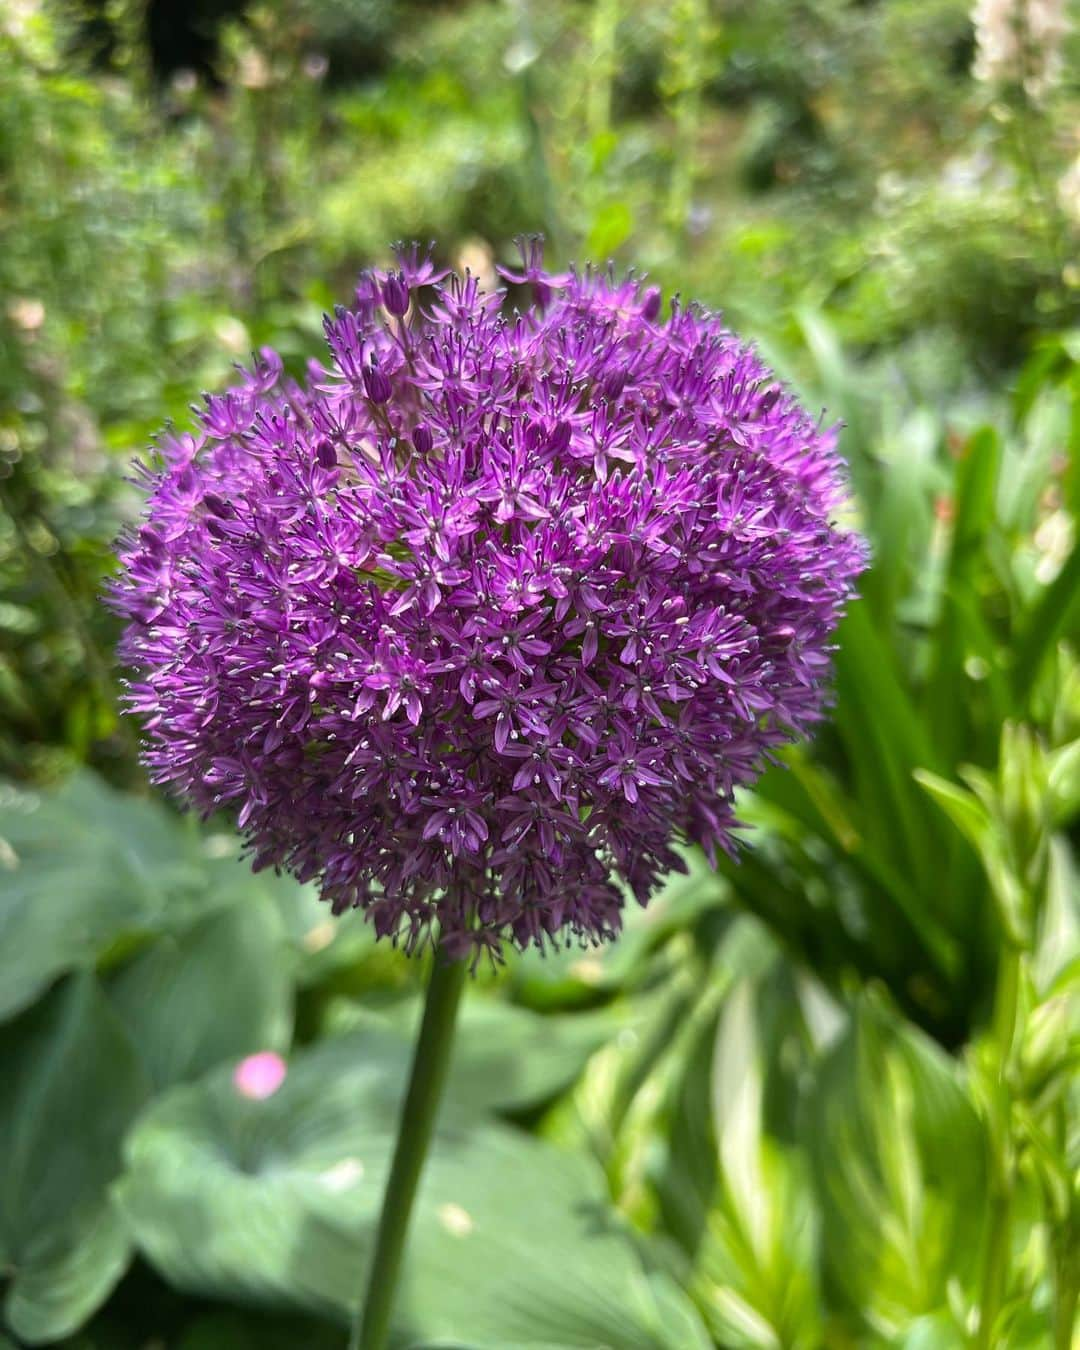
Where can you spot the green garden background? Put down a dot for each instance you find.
(824, 1098)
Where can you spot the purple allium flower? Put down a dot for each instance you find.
(496, 609)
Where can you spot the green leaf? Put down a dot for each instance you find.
(962, 807)
(886, 740)
(70, 1276)
(321, 943)
(611, 226)
(1058, 939)
(899, 1164)
(85, 868)
(91, 875)
(971, 813)
(685, 1162)
(1056, 614)
(899, 516)
(938, 1331)
(506, 1058)
(960, 632)
(804, 805)
(275, 1201)
(756, 1275)
(1063, 783)
(70, 1085)
(217, 992)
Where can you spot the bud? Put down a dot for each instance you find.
(395, 294)
(152, 541)
(613, 383)
(376, 384)
(217, 506)
(650, 306)
(422, 440)
(326, 455)
(560, 438)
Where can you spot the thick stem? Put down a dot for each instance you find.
(995, 1272)
(430, 1061)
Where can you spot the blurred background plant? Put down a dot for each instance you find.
(825, 1098)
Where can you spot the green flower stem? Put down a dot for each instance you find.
(995, 1272)
(430, 1062)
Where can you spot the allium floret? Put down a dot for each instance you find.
(478, 623)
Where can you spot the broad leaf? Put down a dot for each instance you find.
(233, 1330)
(217, 992)
(83, 868)
(90, 875)
(505, 1058)
(69, 1275)
(70, 1085)
(275, 1202)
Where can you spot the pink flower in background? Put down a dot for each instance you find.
(259, 1076)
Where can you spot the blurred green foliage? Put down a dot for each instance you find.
(826, 1098)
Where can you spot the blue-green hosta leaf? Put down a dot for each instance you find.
(320, 943)
(70, 1085)
(899, 1166)
(68, 1276)
(88, 873)
(82, 868)
(217, 992)
(505, 1058)
(275, 1202)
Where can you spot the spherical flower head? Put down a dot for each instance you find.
(480, 622)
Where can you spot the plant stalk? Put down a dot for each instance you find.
(431, 1059)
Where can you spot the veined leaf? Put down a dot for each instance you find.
(70, 1084)
(505, 1057)
(90, 875)
(217, 992)
(275, 1202)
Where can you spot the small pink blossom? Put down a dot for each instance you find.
(259, 1076)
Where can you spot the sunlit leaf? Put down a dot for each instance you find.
(275, 1201)
(757, 1272)
(898, 1155)
(505, 1058)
